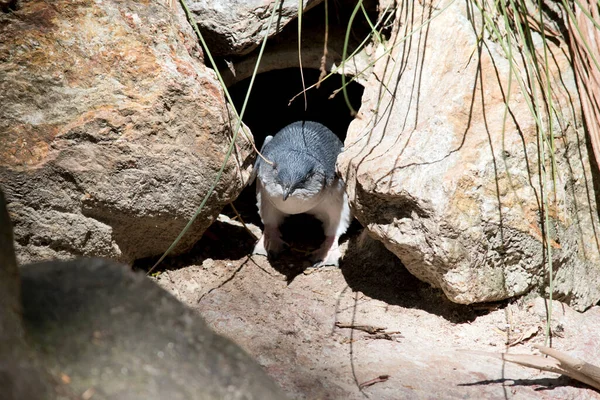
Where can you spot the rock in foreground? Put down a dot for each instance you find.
(116, 334)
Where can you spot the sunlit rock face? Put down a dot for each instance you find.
(447, 177)
(112, 129)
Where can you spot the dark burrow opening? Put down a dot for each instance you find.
(269, 110)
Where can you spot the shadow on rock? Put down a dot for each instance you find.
(117, 332)
(303, 233)
(370, 268)
(227, 239)
(223, 240)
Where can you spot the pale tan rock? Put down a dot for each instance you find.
(112, 129)
(431, 175)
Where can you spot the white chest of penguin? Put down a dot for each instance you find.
(298, 203)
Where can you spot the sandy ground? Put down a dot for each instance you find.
(328, 333)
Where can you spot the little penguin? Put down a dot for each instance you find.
(301, 179)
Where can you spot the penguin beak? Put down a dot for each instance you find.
(286, 192)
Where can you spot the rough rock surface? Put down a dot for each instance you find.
(236, 27)
(287, 321)
(112, 129)
(20, 376)
(431, 175)
(106, 332)
(282, 48)
(100, 330)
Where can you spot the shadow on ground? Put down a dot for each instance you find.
(306, 328)
(221, 241)
(367, 266)
(370, 268)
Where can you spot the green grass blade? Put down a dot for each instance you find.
(345, 53)
(238, 123)
(300, 12)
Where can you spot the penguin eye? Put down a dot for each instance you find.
(275, 166)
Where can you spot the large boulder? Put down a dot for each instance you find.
(225, 26)
(114, 334)
(112, 129)
(430, 173)
(100, 330)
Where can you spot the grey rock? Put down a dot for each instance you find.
(94, 327)
(20, 375)
(282, 48)
(117, 335)
(234, 27)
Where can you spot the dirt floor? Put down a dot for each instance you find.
(369, 329)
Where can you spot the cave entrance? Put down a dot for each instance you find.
(269, 109)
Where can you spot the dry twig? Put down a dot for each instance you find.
(365, 328)
(380, 378)
(557, 362)
(385, 336)
(525, 335)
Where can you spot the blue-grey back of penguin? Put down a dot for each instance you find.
(308, 137)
